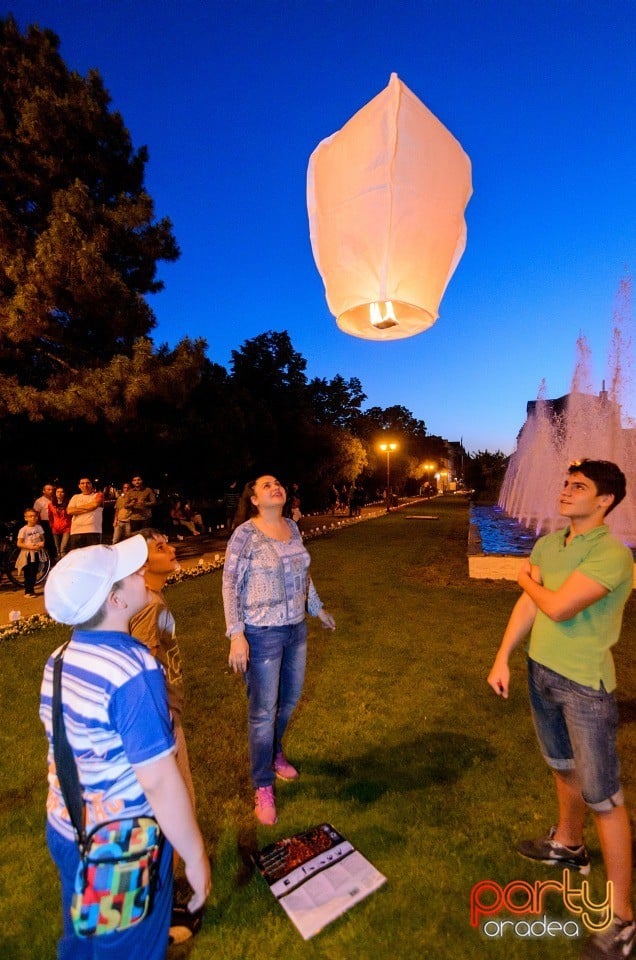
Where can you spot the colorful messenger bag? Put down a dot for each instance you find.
(116, 876)
(119, 860)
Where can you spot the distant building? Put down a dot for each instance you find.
(588, 406)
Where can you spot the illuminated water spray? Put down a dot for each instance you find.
(582, 424)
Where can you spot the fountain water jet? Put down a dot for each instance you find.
(579, 425)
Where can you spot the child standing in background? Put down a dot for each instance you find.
(30, 542)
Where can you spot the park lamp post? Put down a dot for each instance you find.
(388, 448)
(428, 470)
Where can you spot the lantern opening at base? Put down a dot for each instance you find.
(385, 320)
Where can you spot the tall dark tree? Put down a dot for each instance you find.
(270, 387)
(270, 364)
(78, 239)
(395, 420)
(336, 402)
(160, 412)
(291, 426)
(485, 473)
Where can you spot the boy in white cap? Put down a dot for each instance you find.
(118, 726)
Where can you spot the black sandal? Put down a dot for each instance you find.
(184, 925)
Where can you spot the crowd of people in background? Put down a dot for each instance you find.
(105, 513)
(348, 499)
(71, 521)
(77, 520)
(59, 522)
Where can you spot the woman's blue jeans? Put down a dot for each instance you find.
(274, 681)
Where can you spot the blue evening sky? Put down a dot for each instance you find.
(232, 96)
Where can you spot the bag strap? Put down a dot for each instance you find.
(63, 754)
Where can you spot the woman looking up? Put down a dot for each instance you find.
(266, 592)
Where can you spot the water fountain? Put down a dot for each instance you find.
(579, 424)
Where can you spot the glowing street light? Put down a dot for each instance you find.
(428, 470)
(388, 448)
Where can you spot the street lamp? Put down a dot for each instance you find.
(388, 448)
(428, 469)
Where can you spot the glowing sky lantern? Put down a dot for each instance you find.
(386, 197)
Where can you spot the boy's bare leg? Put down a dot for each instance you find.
(572, 808)
(615, 835)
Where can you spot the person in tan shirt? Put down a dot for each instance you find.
(155, 627)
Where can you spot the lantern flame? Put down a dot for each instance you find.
(380, 321)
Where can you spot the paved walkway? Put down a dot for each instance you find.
(189, 551)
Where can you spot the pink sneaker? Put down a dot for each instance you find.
(283, 768)
(265, 806)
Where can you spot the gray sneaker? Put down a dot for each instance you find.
(615, 943)
(547, 850)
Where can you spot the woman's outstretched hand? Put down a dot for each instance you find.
(328, 621)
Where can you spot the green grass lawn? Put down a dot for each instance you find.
(401, 746)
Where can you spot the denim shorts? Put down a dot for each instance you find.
(576, 727)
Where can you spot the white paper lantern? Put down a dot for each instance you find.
(386, 197)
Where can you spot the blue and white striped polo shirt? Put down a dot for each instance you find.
(115, 714)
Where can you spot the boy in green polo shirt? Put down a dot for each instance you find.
(575, 586)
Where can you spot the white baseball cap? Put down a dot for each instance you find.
(80, 582)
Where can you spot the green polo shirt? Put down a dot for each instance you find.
(579, 649)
